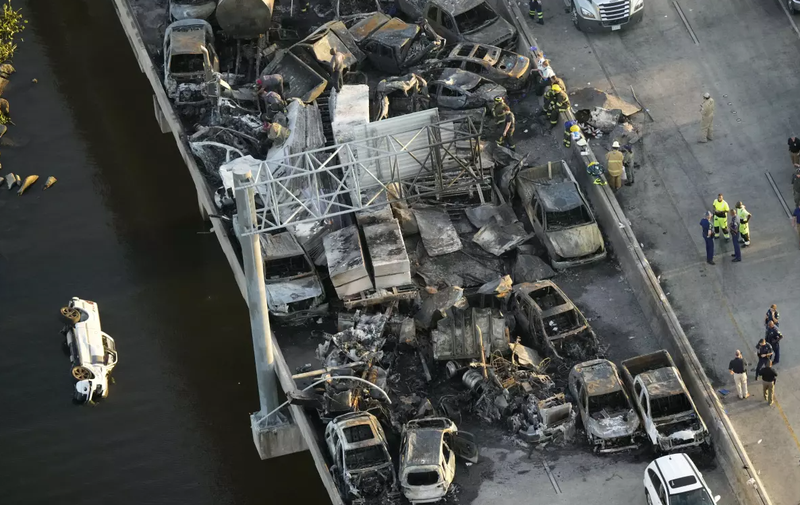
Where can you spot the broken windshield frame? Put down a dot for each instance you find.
(671, 405)
(475, 19)
(422, 478)
(364, 457)
(611, 402)
(186, 63)
(694, 497)
(562, 220)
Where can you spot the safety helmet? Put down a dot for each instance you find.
(615, 145)
(574, 128)
(498, 99)
(706, 95)
(555, 87)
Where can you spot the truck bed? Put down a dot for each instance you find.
(645, 363)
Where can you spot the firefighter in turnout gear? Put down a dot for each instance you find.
(536, 11)
(507, 135)
(571, 132)
(499, 111)
(555, 101)
(744, 223)
(721, 210)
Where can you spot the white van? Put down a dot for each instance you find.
(92, 352)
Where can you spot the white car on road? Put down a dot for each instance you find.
(92, 352)
(674, 480)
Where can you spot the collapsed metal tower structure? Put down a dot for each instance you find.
(412, 156)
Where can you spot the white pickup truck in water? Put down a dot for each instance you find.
(92, 352)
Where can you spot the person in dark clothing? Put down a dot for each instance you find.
(796, 213)
(736, 367)
(708, 236)
(270, 82)
(737, 248)
(507, 136)
(796, 188)
(764, 351)
(794, 151)
(772, 315)
(773, 338)
(768, 379)
(536, 11)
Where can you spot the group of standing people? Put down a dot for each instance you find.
(729, 222)
(768, 351)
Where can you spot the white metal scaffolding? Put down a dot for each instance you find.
(439, 158)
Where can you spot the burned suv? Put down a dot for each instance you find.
(362, 466)
(607, 413)
(550, 320)
(189, 61)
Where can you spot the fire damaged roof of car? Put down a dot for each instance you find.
(467, 51)
(460, 78)
(189, 35)
(424, 446)
(599, 377)
(661, 382)
(395, 31)
(280, 245)
(559, 196)
(456, 7)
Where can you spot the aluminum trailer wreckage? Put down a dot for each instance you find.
(402, 223)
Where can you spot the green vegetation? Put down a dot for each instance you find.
(11, 24)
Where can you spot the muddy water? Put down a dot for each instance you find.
(119, 227)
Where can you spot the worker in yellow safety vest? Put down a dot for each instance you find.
(744, 223)
(721, 210)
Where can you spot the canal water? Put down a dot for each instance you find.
(120, 227)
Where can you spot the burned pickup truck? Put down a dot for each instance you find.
(549, 319)
(560, 215)
(610, 422)
(668, 413)
(392, 45)
(463, 20)
(510, 70)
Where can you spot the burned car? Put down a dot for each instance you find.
(560, 215)
(294, 290)
(550, 320)
(428, 457)
(362, 467)
(463, 20)
(508, 69)
(190, 61)
(454, 88)
(392, 45)
(607, 413)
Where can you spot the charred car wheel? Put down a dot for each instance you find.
(82, 373)
(574, 16)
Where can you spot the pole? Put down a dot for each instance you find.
(256, 291)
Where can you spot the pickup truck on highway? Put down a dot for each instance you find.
(668, 413)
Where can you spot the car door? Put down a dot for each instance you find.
(649, 427)
(580, 393)
(464, 445)
(655, 488)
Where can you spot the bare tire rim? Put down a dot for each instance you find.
(81, 373)
(71, 313)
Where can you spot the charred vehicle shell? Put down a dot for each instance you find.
(463, 20)
(362, 466)
(391, 44)
(508, 69)
(190, 61)
(191, 9)
(294, 290)
(668, 413)
(427, 457)
(560, 215)
(607, 413)
(552, 321)
(459, 89)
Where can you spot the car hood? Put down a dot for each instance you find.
(495, 34)
(487, 92)
(577, 241)
(614, 426)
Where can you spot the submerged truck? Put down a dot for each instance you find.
(463, 21)
(604, 15)
(668, 413)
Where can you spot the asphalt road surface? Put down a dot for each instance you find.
(746, 59)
